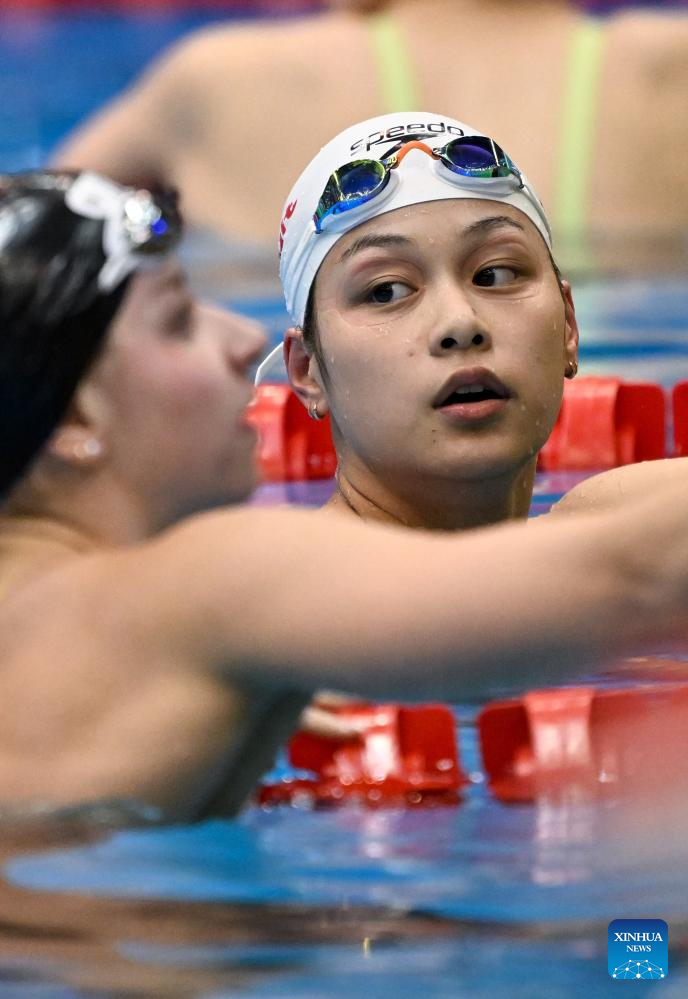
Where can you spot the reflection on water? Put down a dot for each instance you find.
(128, 938)
(481, 899)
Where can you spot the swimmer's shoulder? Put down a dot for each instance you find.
(642, 107)
(243, 76)
(612, 489)
(231, 48)
(131, 609)
(653, 44)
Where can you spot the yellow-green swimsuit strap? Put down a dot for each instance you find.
(398, 90)
(578, 120)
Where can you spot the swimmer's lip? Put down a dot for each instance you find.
(248, 415)
(471, 376)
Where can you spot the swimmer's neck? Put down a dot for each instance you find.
(96, 513)
(48, 532)
(436, 506)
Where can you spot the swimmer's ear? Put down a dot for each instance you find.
(571, 330)
(77, 442)
(303, 371)
(75, 445)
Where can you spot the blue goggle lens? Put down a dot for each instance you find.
(360, 179)
(476, 157)
(470, 157)
(350, 186)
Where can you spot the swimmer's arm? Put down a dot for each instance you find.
(619, 486)
(123, 140)
(136, 138)
(285, 599)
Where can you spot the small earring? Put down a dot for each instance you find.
(89, 448)
(313, 411)
(571, 369)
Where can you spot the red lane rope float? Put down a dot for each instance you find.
(679, 398)
(585, 742)
(604, 422)
(405, 756)
(292, 446)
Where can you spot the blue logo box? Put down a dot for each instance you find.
(638, 948)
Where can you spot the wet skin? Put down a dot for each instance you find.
(423, 301)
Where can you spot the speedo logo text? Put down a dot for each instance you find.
(411, 132)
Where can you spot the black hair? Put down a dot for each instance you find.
(53, 313)
(311, 339)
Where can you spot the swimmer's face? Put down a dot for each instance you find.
(168, 397)
(415, 307)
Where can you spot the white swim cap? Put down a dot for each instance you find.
(419, 179)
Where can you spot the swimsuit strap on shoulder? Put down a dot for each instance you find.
(398, 89)
(578, 120)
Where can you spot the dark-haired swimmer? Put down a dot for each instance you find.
(160, 646)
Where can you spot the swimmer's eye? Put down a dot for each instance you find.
(180, 321)
(389, 292)
(495, 277)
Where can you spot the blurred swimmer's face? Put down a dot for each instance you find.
(168, 397)
(445, 338)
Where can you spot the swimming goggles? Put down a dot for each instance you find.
(353, 184)
(136, 223)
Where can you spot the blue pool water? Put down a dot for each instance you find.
(479, 900)
(476, 900)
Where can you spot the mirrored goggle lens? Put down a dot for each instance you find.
(476, 157)
(360, 179)
(152, 223)
(351, 185)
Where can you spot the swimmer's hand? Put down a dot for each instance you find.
(324, 717)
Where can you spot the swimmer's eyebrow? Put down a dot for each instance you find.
(483, 226)
(374, 242)
(384, 241)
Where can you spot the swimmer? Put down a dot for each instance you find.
(597, 92)
(433, 326)
(158, 640)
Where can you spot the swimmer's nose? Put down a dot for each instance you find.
(458, 327)
(247, 343)
(241, 340)
(455, 339)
